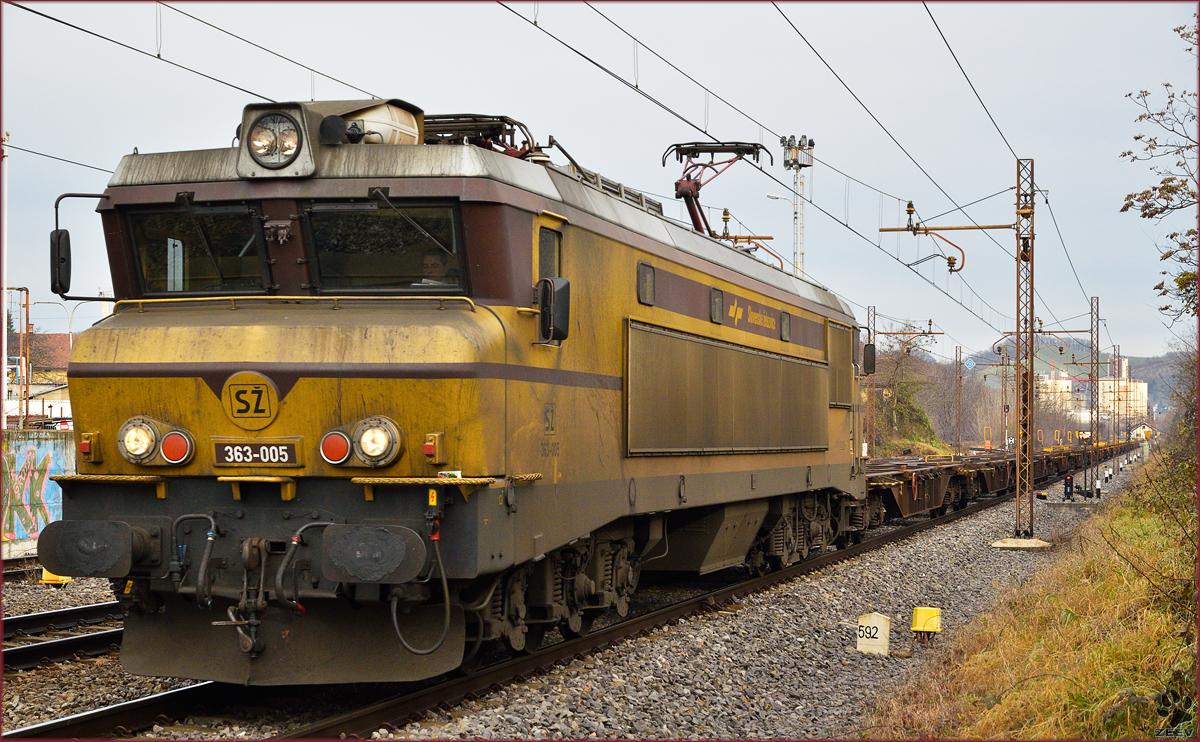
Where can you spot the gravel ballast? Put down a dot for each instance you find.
(780, 664)
(21, 597)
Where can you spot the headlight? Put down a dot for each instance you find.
(374, 442)
(377, 441)
(274, 140)
(138, 440)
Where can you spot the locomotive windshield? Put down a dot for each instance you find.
(372, 246)
(206, 250)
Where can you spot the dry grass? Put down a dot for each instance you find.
(1100, 646)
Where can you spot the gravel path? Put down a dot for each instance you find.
(778, 665)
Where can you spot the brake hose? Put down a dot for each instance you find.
(203, 589)
(437, 552)
(293, 545)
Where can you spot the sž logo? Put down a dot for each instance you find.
(250, 400)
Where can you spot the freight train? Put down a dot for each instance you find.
(382, 388)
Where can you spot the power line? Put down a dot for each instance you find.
(985, 198)
(139, 51)
(685, 120)
(672, 66)
(706, 89)
(623, 81)
(52, 157)
(964, 72)
(864, 106)
(269, 51)
(1010, 149)
(897, 143)
(1065, 251)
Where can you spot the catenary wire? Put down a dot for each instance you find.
(1065, 251)
(864, 107)
(897, 143)
(768, 129)
(964, 72)
(361, 90)
(1006, 143)
(750, 118)
(700, 129)
(979, 201)
(269, 51)
(52, 157)
(139, 51)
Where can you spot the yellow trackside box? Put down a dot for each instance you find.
(927, 619)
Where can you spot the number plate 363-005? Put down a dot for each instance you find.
(256, 452)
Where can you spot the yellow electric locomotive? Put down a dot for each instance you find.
(381, 387)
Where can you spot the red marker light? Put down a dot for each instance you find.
(85, 447)
(430, 449)
(335, 447)
(176, 448)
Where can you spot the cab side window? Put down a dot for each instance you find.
(549, 253)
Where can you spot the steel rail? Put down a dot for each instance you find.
(143, 712)
(91, 644)
(32, 624)
(362, 722)
(123, 717)
(21, 567)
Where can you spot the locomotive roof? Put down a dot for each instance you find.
(457, 161)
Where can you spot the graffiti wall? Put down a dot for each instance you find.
(31, 500)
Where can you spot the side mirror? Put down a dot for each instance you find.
(868, 359)
(60, 261)
(554, 307)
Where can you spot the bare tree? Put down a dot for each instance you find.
(1175, 116)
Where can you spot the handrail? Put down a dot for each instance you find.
(233, 300)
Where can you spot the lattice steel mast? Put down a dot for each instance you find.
(1094, 387)
(869, 417)
(1024, 349)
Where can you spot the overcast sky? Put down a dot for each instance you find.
(1054, 77)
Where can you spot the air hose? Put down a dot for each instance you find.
(203, 589)
(293, 545)
(437, 552)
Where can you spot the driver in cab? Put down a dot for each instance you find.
(436, 268)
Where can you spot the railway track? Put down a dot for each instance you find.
(24, 569)
(126, 718)
(26, 655)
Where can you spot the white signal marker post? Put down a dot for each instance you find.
(874, 632)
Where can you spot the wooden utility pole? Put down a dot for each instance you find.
(1024, 350)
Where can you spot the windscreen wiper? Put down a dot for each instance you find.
(185, 198)
(382, 195)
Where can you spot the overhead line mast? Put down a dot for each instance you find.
(1025, 350)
